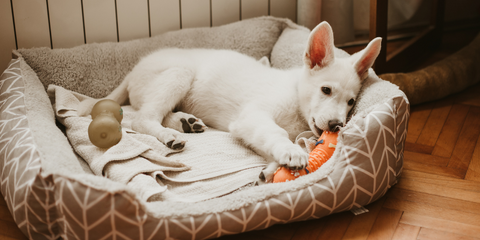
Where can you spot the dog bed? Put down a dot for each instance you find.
(52, 192)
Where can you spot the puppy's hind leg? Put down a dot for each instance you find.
(184, 122)
(159, 98)
(119, 95)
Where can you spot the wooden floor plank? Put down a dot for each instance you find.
(430, 234)
(450, 131)
(431, 211)
(360, 226)
(385, 224)
(440, 224)
(463, 151)
(418, 148)
(443, 171)
(406, 232)
(406, 173)
(418, 118)
(441, 180)
(437, 190)
(449, 202)
(435, 122)
(425, 159)
(473, 172)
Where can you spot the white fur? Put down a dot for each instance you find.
(264, 106)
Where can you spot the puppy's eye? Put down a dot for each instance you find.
(351, 102)
(326, 90)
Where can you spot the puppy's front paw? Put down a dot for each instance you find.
(293, 157)
(174, 140)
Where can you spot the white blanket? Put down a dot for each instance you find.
(212, 164)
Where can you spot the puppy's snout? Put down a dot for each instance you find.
(334, 125)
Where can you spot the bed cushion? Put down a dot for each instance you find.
(52, 192)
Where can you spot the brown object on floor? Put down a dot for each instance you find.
(450, 75)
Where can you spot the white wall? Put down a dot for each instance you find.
(68, 23)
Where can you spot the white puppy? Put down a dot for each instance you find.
(265, 107)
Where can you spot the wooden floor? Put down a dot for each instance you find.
(438, 196)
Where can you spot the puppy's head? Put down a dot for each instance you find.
(329, 86)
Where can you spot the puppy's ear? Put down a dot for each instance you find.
(319, 51)
(367, 57)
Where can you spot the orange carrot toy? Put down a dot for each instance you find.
(323, 150)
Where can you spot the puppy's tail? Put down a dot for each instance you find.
(119, 95)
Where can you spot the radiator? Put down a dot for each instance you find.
(69, 23)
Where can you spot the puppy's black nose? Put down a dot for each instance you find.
(334, 125)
